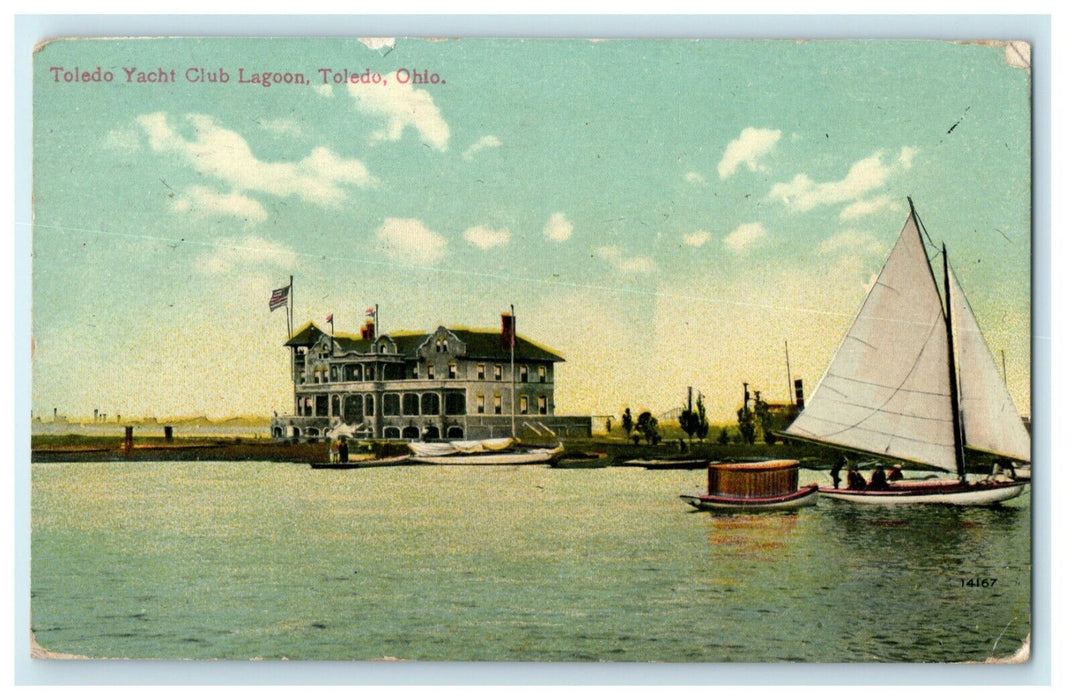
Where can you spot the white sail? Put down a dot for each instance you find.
(992, 422)
(887, 390)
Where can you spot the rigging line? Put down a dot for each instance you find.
(894, 393)
(888, 386)
(904, 438)
(486, 275)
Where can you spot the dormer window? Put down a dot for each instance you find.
(452, 370)
(383, 347)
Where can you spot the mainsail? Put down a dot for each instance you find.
(992, 422)
(887, 390)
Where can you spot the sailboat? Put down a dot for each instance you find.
(914, 383)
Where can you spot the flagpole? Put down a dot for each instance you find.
(376, 320)
(290, 334)
(513, 390)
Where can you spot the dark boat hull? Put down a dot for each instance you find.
(806, 496)
(364, 464)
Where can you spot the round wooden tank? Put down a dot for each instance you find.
(759, 479)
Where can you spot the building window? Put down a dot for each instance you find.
(497, 371)
(455, 403)
(322, 405)
(370, 405)
(335, 373)
(335, 405)
(413, 370)
(480, 403)
(480, 370)
(523, 404)
(383, 347)
(455, 431)
(497, 404)
(430, 405)
(352, 408)
(431, 372)
(542, 373)
(392, 404)
(410, 404)
(391, 433)
(411, 432)
(370, 372)
(542, 405)
(524, 370)
(452, 370)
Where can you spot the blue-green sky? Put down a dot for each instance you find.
(662, 213)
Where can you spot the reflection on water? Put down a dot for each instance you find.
(261, 560)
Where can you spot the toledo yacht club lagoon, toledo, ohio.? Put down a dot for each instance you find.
(650, 359)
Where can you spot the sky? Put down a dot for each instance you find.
(663, 214)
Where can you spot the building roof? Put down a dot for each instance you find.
(480, 344)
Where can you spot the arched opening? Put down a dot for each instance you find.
(455, 403)
(312, 432)
(432, 432)
(392, 405)
(455, 432)
(411, 432)
(410, 404)
(392, 433)
(352, 408)
(335, 404)
(430, 405)
(277, 432)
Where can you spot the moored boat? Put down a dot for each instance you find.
(582, 460)
(482, 452)
(669, 463)
(364, 463)
(754, 486)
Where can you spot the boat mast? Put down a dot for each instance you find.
(959, 440)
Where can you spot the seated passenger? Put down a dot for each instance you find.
(879, 479)
(895, 474)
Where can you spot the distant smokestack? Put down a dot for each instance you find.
(799, 393)
(689, 400)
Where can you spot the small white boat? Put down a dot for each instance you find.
(914, 381)
(482, 452)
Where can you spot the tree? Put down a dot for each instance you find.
(627, 422)
(724, 436)
(702, 418)
(745, 425)
(689, 423)
(647, 426)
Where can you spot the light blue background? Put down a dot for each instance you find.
(29, 30)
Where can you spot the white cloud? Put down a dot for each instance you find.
(318, 178)
(745, 237)
(481, 144)
(865, 207)
(864, 176)
(403, 106)
(125, 140)
(409, 240)
(558, 227)
(637, 264)
(851, 241)
(697, 238)
(233, 254)
(283, 127)
(324, 90)
(747, 149)
(905, 158)
(695, 178)
(204, 202)
(484, 237)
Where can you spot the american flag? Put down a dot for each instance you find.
(370, 311)
(278, 298)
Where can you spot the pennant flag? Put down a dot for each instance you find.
(278, 298)
(506, 335)
(329, 318)
(370, 311)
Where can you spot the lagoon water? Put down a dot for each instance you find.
(259, 560)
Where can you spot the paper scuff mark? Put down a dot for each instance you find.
(377, 43)
(1018, 54)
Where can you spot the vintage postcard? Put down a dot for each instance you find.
(531, 350)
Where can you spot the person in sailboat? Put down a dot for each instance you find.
(855, 481)
(895, 474)
(835, 470)
(878, 480)
(1004, 466)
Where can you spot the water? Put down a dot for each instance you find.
(258, 560)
